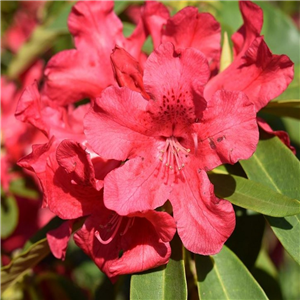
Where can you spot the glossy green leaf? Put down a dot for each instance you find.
(288, 108)
(23, 262)
(223, 276)
(9, 216)
(41, 40)
(274, 165)
(166, 282)
(246, 239)
(253, 195)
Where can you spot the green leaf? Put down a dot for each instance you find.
(246, 239)
(274, 165)
(166, 282)
(9, 216)
(23, 262)
(128, 28)
(266, 275)
(223, 276)
(289, 274)
(20, 188)
(41, 40)
(253, 195)
(288, 108)
(59, 22)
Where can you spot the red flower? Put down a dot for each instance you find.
(143, 237)
(85, 71)
(187, 28)
(126, 244)
(257, 72)
(170, 141)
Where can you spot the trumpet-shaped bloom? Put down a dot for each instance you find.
(143, 237)
(126, 244)
(187, 28)
(257, 72)
(169, 141)
(87, 69)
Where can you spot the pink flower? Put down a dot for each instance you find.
(170, 141)
(85, 71)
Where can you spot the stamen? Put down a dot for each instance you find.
(170, 153)
(116, 226)
(128, 225)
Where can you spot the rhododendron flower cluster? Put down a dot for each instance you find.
(131, 164)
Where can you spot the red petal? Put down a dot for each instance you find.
(282, 135)
(80, 70)
(76, 162)
(36, 162)
(155, 15)
(29, 108)
(79, 197)
(261, 75)
(228, 131)
(127, 71)
(58, 239)
(189, 28)
(250, 30)
(113, 129)
(138, 185)
(204, 222)
(141, 245)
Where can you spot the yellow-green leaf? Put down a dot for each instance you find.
(288, 108)
(23, 262)
(9, 216)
